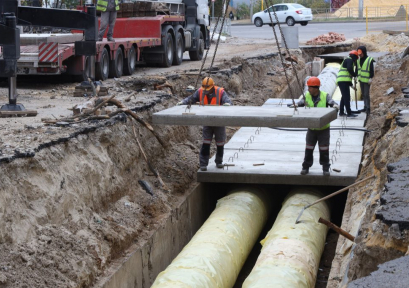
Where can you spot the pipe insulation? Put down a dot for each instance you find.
(217, 252)
(291, 252)
(328, 78)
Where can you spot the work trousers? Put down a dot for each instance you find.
(345, 98)
(220, 137)
(107, 18)
(322, 137)
(365, 95)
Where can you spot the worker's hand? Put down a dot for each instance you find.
(180, 103)
(370, 81)
(226, 104)
(336, 107)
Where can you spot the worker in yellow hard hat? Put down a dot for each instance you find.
(317, 98)
(210, 94)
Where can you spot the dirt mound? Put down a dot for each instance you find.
(382, 42)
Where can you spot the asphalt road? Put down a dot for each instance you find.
(350, 30)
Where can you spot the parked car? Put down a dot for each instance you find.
(289, 13)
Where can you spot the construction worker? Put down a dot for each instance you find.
(344, 81)
(210, 94)
(366, 72)
(108, 10)
(316, 98)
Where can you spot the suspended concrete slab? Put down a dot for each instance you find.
(245, 116)
(270, 156)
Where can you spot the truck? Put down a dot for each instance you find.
(154, 32)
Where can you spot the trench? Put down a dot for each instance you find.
(133, 273)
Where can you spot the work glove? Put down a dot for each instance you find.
(370, 81)
(336, 107)
(180, 103)
(226, 104)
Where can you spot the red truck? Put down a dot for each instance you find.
(179, 26)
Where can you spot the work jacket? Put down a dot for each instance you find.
(322, 102)
(102, 5)
(364, 73)
(343, 74)
(216, 100)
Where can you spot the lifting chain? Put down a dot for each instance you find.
(225, 3)
(282, 60)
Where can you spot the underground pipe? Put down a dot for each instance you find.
(291, 253)
(217, 252)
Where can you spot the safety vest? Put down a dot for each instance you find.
(363, 72)
(102, 5)
(321, 103)
(343, 74)
(215, 100)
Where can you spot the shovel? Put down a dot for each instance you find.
(330, 196)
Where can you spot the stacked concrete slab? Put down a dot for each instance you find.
(270, 156)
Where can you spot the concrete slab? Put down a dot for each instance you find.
(245, 116)
(35, 39)
(282, 152)
(342, 55)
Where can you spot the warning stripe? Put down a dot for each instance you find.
(48, 52)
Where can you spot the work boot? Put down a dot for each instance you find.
(219, 165)
(362, 110)
(355, 112)
(352, 115)
(111, 39)
(325, 171)
(304, 171)
(203, 168)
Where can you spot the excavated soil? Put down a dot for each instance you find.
(376, 241)
(71, 199)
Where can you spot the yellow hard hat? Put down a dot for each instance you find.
(207, 83)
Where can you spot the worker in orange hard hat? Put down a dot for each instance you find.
(347, 72)
(317, 98)
(210, 94)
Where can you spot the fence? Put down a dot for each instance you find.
(385, 13)
(226, 27)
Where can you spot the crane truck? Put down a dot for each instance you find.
(160, 38)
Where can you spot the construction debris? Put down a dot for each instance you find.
(329, 38)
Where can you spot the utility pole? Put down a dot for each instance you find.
(251, 9)
(361, 9)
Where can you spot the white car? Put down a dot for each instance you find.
(289, 13)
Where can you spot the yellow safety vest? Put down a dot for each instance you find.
(363, 72)
(343, 74)
(102, 5)
(321, 103)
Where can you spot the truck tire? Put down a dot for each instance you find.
(102, 67)
(198, 54)
(116, 67)
(130, 62)
(168, 51)
(178, 55)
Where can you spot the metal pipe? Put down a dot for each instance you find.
(217, 252)
(13, 90)
(291, 253)
(92, 67)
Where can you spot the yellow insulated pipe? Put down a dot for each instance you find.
(217, 252)
(291, 252)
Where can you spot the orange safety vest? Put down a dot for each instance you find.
(215, 100)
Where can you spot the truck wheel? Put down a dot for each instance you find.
(102, 67)
(130, 62)
(168, 51)
(178, 56)
(198, 54)
(116, 67)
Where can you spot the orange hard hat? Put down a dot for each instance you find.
(353, 52)
(207, 83)
(314, 81)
